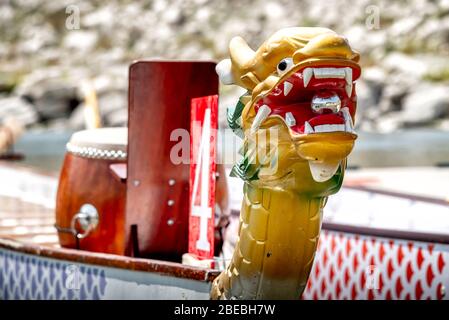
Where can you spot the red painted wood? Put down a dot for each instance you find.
(111, 261)
(159, 102)
(91, 181)
(197, 204)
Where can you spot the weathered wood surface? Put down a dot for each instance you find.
(158, 189)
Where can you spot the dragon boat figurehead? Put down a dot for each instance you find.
(297, 124)
(300, 82)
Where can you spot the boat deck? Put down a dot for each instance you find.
(423, 182)
(27, 222)
(27, 200)
(392, 223)
(27, 219)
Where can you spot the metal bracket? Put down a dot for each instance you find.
(87, 219)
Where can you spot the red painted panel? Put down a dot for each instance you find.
(160, 93)
(203, 137)
(365, 267)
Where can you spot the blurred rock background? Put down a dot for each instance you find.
(45, 58)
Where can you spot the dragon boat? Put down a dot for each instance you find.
(133, 212)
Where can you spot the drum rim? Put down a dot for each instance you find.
(96, 153)
(109, 150)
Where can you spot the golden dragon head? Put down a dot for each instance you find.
(301, 89)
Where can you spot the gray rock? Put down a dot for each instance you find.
(433, 35)
(375, 79)
(111, 81)
(59, 124)
(76, 120)
(426, 103)
(8, 79)
(81, 41)
(112, 101)
(52, 94)
(56, 102)
(392, 96)
(118, 118)
(409, 65)
(113, 107)
(18, 108)
(102, 17)
(6, 15)
(366, 42)
(46, 63)
(366, 100)
(397, 86)
(443, 124)
(35, 38)
(404, 26)
(389, 122)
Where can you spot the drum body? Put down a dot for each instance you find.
(90, 206)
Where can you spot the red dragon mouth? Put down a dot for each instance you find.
(314, 99)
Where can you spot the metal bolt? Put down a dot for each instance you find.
(171, 202)
(170, 222)
(136, 183)
(171, 182)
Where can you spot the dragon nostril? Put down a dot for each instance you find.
(325, 103)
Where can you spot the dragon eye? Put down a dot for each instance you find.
(284, 65)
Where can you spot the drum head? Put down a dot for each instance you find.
(103, 143)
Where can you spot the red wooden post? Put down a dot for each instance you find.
(157, 201)
(203, 133)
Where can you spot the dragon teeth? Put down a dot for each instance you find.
(287, 87)
(329, 128)
(323, 73)
(307, 75)
(348, 78)
(348, 75)
(349, 125)
(262, 114)
(348, 89)
(323, 171)
(308, 128)
(290, 119)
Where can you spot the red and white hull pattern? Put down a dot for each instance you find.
(351, 266)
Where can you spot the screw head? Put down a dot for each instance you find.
(170, 222)
(170, 202)
(171, 182)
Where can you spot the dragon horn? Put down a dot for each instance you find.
(241, 53)
(241, 57)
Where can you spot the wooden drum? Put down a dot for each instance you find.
(90, 206)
